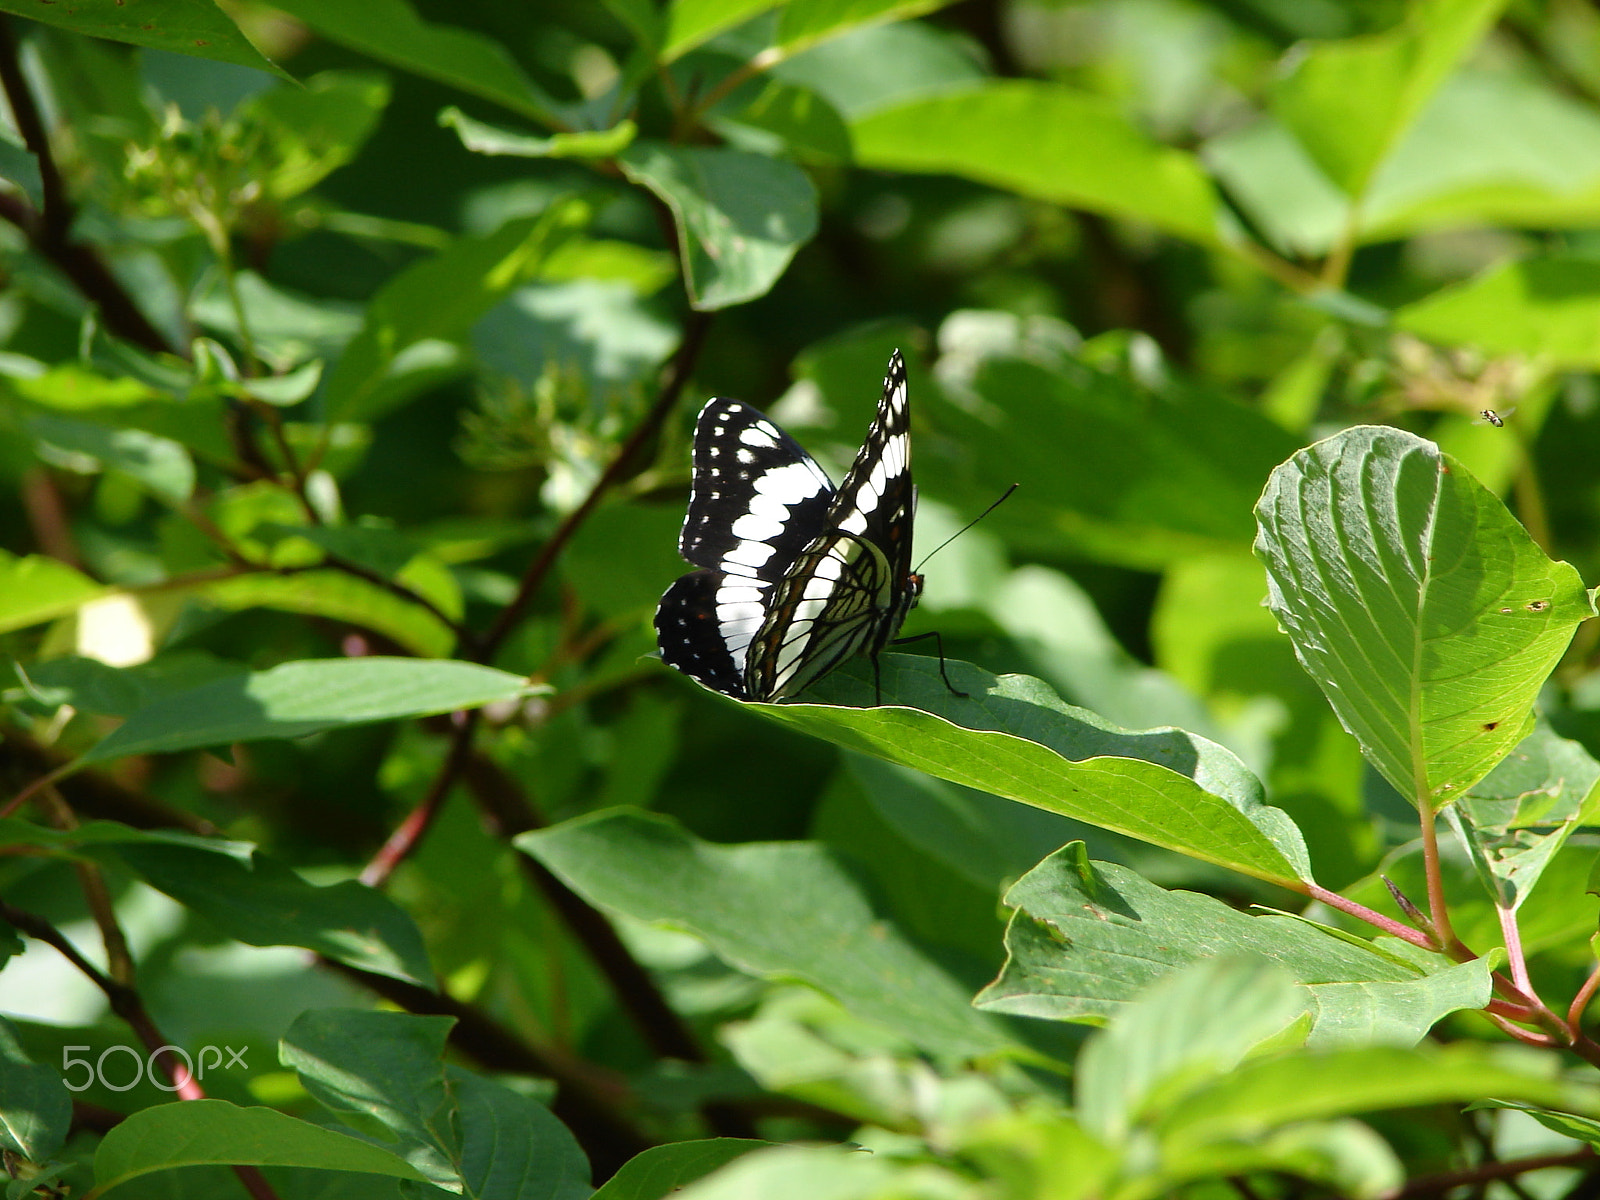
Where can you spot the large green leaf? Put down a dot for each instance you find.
(37, 589)
(191, 1133)
(1545, 308)
(778, 910)
(1196, 1022)
(513, 1146)
(338, 596)
(1158, 473)
(1016, 738)
(1047, 141)
(1087, 938)
(1420, 606)
(35, 1106)
(261, 902)
(1267, 1092)
(1350, 102)
(304, 697)
(437, 300)
(194, 27)
(160, 464)
(383, 1073)
(740, 216)
(391, 32)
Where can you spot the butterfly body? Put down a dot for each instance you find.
(794, 576)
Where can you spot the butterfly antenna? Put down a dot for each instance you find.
(1004, 496)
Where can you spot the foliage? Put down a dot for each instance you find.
(354, 843)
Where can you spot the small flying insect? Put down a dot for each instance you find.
(1490, 416)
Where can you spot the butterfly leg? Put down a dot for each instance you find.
(938, 641)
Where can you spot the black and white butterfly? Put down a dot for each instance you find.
(794, 577)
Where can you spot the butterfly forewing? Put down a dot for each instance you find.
(794, 577)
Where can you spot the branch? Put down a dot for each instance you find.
(50, 231)
(409, 833)
(127, 1004)
(1432, 1185)
(1376, 919)
(93, 794)
(677, 377)
(509, 812)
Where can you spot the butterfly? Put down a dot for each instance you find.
(794, 577)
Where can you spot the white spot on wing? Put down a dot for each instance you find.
(789, 484)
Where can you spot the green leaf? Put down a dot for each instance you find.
(339, 596)
(1049, 142)
(314, 128)
(35, 1106)
(661, 1171)
(194, 27)
(378, 548)
(513, 1146)
(390, 31)
(191, 1133)
(1347, 1157)
(1494, 147)
(284, 391)
(1016, 738)
(37, 588)
(1195, 1023)
(820, 1173)
(1517, 819)
(692, 22)
(162, 465)
(880, 66)
(1268, 1092)
(1423, 610)
(804, 23)
(1174, 469)
(740, 216)
(776, 910)
(1350, 102)
(383, 1073)
(1087, 938)
(804, 120)
(1582, 1129)
(69, 387)
(1546, 308)
(297, 698)
(483, 138)
(261, 902)
(437, 300)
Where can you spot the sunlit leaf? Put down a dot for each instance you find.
(195, 1132)
(1420, 606)
(1015, 737)
(189, 27)
(303, 697)
(1087, 938)
(740, 216)
(1046, 141)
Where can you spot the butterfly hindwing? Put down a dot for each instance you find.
(795, 577)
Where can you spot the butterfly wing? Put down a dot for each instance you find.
(852, 585)
(756, 502)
